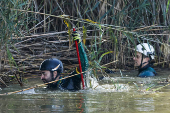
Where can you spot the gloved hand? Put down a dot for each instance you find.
(76, 36)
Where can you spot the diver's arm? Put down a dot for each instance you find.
(83, 57)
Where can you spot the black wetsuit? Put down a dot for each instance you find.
(74, 83)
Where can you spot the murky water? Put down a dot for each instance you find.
(125, 93)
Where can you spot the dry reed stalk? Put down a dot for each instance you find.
(47, 36)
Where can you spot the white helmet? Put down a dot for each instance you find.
(146, 49)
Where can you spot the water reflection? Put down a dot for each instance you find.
(145, 104)
(68, 102)
(52, 108)
(126, 98)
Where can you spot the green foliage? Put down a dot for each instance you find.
(104, 55)
(167, 7)
(112, 27)
(84, 35)
(12, 23)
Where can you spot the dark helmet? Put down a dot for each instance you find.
(51, 64)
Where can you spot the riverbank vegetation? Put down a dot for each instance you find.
(34, 30)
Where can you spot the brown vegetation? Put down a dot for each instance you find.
(40, 30)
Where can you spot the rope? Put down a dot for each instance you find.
(42, 84)
(87, 21)
(160, 87)
(90, 22)
(52, 81)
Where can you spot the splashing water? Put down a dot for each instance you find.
(93, 84)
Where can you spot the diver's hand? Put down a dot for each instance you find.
(76, 36)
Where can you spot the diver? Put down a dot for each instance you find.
(50, 73)
(143, 56)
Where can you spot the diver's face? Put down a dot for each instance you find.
(137, 58)
(46, 76)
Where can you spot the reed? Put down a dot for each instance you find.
(33, 30)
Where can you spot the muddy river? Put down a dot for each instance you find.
(122, 92)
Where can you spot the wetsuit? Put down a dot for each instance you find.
(74, 83)
(146, 71)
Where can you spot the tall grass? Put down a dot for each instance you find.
(110, 29)
(12, 23)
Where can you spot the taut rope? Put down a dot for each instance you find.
(42, 84)
(51, 81)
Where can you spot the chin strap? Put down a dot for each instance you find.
(141, 62)
(144, 62)
(53, 76)
(54, 85)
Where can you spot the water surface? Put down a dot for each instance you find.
(125, 93)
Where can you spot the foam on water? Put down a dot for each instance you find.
(92, 84)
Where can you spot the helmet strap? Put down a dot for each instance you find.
(141, 62)
(53, 85)
(150, 58)
(144, 62)
(53, 75)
